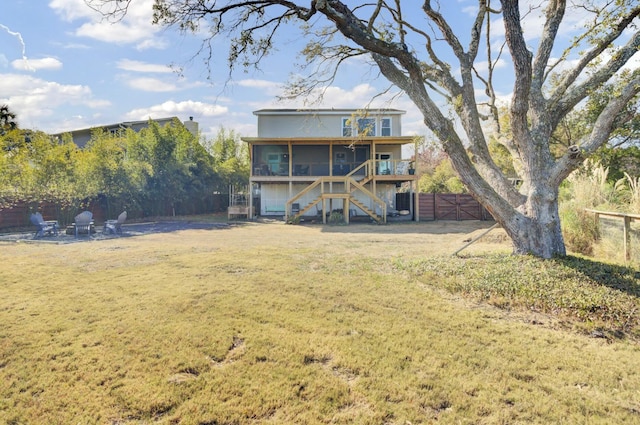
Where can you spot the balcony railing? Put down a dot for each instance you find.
(390, 167)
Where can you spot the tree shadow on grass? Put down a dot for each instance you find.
(622, 278)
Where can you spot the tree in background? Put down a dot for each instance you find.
(429, 156)
(442, 179)
(17, 177)
(158, 171)
(231, 160)
(420, 50)
(180, 168)
(7, 119)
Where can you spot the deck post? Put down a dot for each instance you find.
(324, 208)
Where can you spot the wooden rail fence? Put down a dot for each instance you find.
(626, 231)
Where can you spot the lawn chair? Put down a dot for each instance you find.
(83, 223)
(115, 226)
(43, 226)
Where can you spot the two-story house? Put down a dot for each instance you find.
(317, 162)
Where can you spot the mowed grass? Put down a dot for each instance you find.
(276, 324)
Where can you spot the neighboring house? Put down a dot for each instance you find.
(315, 162)
(82, 136)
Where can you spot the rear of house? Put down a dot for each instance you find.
(312, 163)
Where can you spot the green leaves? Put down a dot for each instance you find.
(138, 171)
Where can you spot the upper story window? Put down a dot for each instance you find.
(366, 126)
(116, 132)
(347, 131)
(385, 126)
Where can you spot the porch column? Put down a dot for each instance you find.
(345, 210)
(250, 212)
(416, 201)
(324, 208)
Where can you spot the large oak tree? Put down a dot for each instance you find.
(447, 65)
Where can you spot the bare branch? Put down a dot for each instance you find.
(554, 14)
(568, 99)
(446, 30)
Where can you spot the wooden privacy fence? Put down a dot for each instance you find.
(626, 220)
(17, 215)
(450, 206)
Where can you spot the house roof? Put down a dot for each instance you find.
(331, 111)
(123, 124)
(82, 136)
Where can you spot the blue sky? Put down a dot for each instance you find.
(62, 68)
(81, 72)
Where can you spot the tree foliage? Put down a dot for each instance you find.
(7, 119)
(443, 179)
(447, 66)
(158, 171)
(231, 160)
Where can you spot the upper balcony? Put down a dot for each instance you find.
(382, 169)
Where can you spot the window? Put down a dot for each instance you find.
(346, 127)
(385, 127)
(367, 126)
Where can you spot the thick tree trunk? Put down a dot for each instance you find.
(537, 229)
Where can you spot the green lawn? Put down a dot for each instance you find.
(276, 324)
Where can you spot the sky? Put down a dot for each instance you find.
(63, 67)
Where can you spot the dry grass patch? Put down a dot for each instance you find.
(275, 324)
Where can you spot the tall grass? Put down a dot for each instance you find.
(633, 190)
(590, 188)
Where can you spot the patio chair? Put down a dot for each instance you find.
(83, 223)
(43, 227)
(115, 226)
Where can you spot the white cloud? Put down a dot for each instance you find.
(483, 66)
(135, 27)
(184, 108)
(120, 33)
(156, 43)
(70, 10)
(270, 88)
(151, 85)
(470, 10)
(137, 66)
(36, 64)
(34, 99)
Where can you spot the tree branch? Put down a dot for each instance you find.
(566, 99)
(600, 132)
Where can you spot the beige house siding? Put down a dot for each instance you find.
(323, 123)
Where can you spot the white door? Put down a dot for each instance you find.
(384, 163)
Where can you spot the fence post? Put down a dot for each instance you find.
(627, 238)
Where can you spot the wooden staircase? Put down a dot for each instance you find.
(350, 187)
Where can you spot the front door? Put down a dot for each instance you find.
(384, 163)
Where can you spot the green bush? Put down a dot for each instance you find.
(443, 180)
